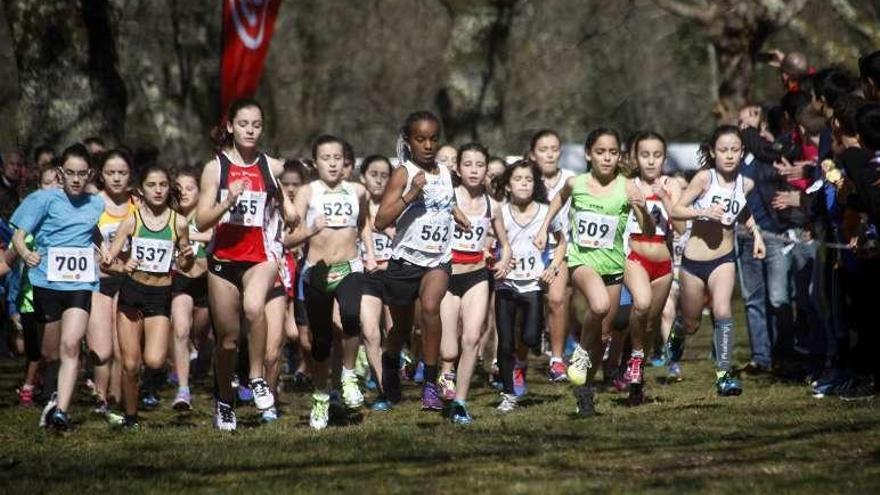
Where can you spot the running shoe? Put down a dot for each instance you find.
(570, 345)
(320, 415)
(130, 423)
(114, 418)
(26, 396)
(634, 370)
(636, 395)
(351, 392)
(619, 381)
(431, 400)
(245, 394)
(149, 400)
(519, 380)
(580, 364)
(381, 404)
(658, 360)
(224, 416)
(419, 373)
(371, 383)
(48, 410)
(101, 408)
(172, 379)
(183, 400)
(446, 382)
(263, 398)
(727, 385)
(460, 414)
(508, 403)
(673, 372)
(269, 416)
(584, 397)
(557, 371)
(59, 420)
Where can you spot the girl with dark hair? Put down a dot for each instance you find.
(467, 297)
(533, 269)
(375, 172)
(648, 271)
(143, 323)
(189, 302)
(420, 201)
(714, 200)
(62, 269)
(545, 149)
(239, 197)
(113, 180)
(335, 212)
(601, 201)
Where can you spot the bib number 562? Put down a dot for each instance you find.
(434, 233)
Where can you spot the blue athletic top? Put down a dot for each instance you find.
(56, 220)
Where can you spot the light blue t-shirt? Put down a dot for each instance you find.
(57, 222)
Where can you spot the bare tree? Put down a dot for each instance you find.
(737, 30)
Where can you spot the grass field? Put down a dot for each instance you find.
(774, 438)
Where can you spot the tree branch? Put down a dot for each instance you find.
(699, 11)
(848, 14)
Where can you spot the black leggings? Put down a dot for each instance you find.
(33, 336)
(319, 307)
(507, 302)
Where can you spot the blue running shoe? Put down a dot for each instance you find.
(570, 345)
(59, 420)
(381, 405)
(727, 385)
(149, 400)
(675, 347)
(673, 372)
(419, 374)
(460, 414)
(431, 399)
(245, 394)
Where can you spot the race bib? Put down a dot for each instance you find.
(431, 236)
(153, 255)
(731, 209)
(528, 264)
(594, 230)
(658, 213)
(69, 264)
(247, 211)
(108, 233)
(472, 240)
(381, 246)
(338, 210)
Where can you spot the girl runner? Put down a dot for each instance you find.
(189, 292)
(522, 288)
(714, 200)
(601, 201)
(239, 195)
(32, 330)
(114, 177)
(375, 172)
(336, 216)
(648, 271)
(545, 150)
(467, 297)
(61, 268)
(420, 199)
(143, 320)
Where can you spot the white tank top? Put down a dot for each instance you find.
(733, 200)
(424, 229)
(529, 262)
(340, 207)
(473, 240)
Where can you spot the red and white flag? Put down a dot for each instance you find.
(247, 30)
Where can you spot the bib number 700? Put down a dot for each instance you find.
(71, 265)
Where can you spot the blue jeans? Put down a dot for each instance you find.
(813, 320)
(764, 287)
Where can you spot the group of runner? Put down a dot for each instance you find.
(460, 246)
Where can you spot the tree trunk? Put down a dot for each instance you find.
(471, 99)
(68, 79)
